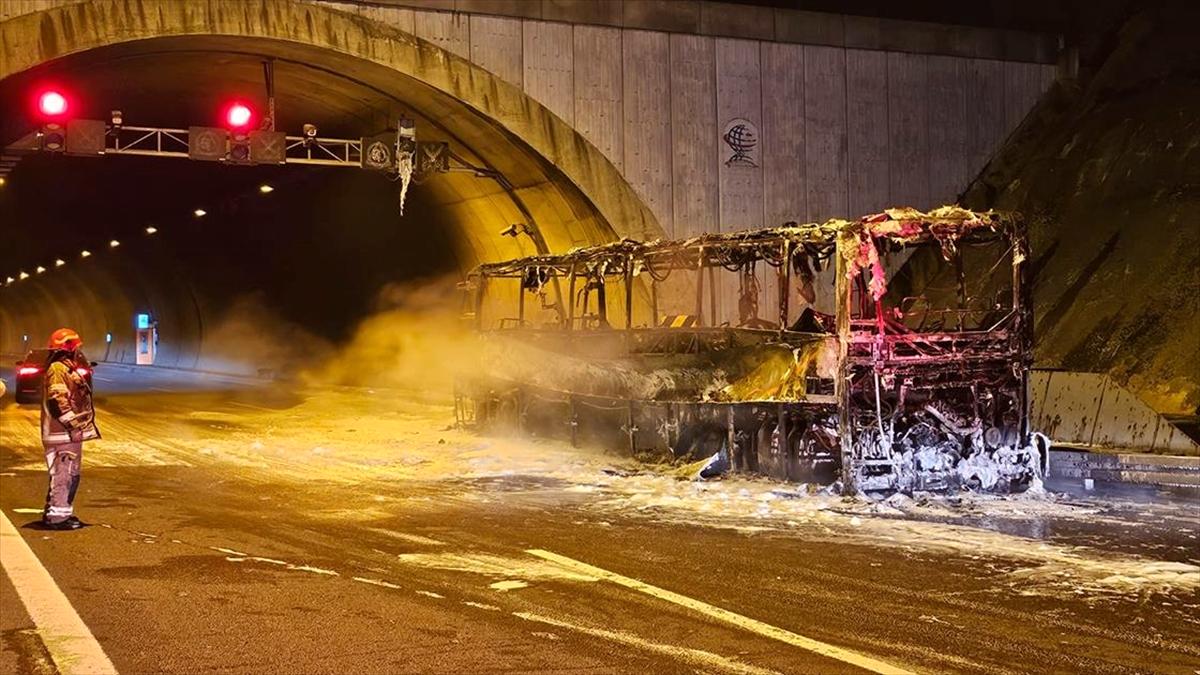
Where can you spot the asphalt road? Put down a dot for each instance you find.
(242, 529)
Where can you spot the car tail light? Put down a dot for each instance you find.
(84, 372)
(28, 370)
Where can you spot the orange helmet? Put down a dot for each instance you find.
(65, 338)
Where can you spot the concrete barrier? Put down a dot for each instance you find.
(1091, 410)
(1137, 468)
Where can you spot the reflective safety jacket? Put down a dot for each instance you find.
(68, 415)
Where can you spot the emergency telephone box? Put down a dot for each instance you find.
(147, 340)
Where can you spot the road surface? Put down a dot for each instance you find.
(239, 528)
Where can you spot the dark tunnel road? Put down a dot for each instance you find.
(239, 532)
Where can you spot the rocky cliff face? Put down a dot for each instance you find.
(1107, 172)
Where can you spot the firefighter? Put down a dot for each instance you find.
(68, 419)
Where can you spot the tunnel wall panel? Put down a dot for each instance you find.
(783, 150)
(694, 159)
(451, 32)
(598, 89)
(549, 65)
(825, 132)
(646, 134)
(868, 137)
(908, 129)
(496, 44)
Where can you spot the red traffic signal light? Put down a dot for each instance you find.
(239, 116)
(51, 103)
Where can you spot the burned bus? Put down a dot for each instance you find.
(853, 379)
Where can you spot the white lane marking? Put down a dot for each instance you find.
(480, 605)
(404, 536)
(375, 582)
(732, 618)
(71, 645)
(697, 657)
(251, 406)
(229, 551)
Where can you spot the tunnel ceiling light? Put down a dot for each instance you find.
(265, 189)
(52, 103)
(85, 253)
(40, 269)
(200, 213)
(238, 116)
(23, 276)
(114, 243)
(8, 281)
(151, 229)
(3, 180)
(59, 262)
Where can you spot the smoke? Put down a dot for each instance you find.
(415, 340)
(250, 338)
(418, 341)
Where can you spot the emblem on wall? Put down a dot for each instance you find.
(741, 141)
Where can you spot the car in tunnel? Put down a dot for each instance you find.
(27, 380)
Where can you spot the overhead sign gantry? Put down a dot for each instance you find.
(245, 139)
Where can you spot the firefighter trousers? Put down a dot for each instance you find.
(64, 461)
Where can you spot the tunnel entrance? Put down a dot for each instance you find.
(314, 253)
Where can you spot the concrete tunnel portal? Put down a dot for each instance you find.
(315, 253)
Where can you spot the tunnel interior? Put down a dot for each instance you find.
(261, 277)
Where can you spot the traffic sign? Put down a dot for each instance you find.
(85, 137)
(207, 143)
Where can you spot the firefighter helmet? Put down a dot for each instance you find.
(65, 338)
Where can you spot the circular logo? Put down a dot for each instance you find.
(741, 137)
(378, 155)
(207, 143)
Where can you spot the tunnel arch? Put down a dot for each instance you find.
(553, 178)
(475, 104)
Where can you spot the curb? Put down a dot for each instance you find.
(1139, 469)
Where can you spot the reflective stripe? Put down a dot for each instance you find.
(58, 386)
(60, 511)
(66, 417)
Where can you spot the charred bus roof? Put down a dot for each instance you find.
(945, 226)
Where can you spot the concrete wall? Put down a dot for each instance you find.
(1092, 410)
(778, 24)
(850, 115)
